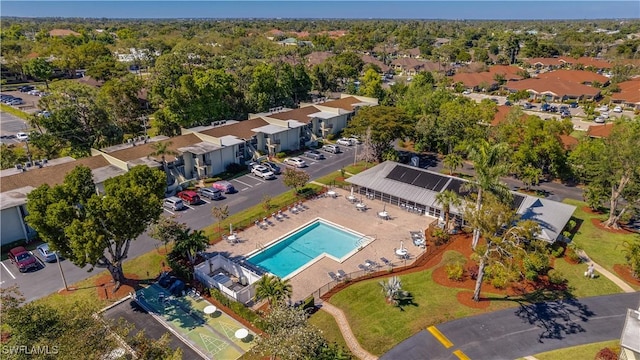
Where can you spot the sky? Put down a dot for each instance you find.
(424, 9)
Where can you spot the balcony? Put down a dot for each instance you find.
(272, 142)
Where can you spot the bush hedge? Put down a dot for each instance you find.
(238, 308)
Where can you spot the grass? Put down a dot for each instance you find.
(582, 286)
(333, 179)
(605, 248)
(380, 326)
(247, 217)
(587, 351)
(330, 330)
(11, 110)
(358, 167)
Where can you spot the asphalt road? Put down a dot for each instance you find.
(10, 125)
(251, 190)
(525, 330)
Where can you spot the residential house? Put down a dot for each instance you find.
(545, 63)
(411, 53)
(587, 62)
(575, 76)
(629, 94)
(318, 57)
(411, 66)
(554, 89)
(63, 33)
(600, 131)
(482, 81)
(368, 59)
(274, 33)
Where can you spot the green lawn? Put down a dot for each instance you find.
(587, 351)
(605, 248)
(11, 110)
(330, 330)
(379, 326)
(582, 286)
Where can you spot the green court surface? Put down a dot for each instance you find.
(213, 335)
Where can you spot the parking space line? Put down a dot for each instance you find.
(188, 206)
(461, 355)
(243, 183)
(205, 201)
(167, 210)
(440, 336)
(259, 179)
(244, 189)
(6, 268)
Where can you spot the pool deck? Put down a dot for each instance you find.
(387, 234)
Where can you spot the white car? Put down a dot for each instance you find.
(22, 136)
(345, 142)
(603, 108)
(263, 172)
(617, 109)
(295, 161)
(599, 120)
(466, 92)
(605, 114)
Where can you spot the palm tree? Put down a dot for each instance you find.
(392, 290)
(190, 243)
(452, 162)
(274, 289)
(162, 149)
(489, 166)
(447, 199)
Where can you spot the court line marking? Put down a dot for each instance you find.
(461, 355)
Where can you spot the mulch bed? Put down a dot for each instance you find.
(465, 298)
(597, 223)
(624, 272)
(589, 210)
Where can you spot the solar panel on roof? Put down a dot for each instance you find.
(418, 178)
(456, 186)
(517, 201)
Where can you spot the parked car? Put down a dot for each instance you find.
(565, 115)
(528, 105)
(23, 259)
(344, 141)
(173, 203)
(605, 114)
(314, 154)
(617, 109)
(332, 148)
(354, 140)
(15, 101)
(563, 108)
(295, 161)
(273, 167)
(545, 107)
(210, 192)
(466, 92)
(599, 120)
(507, 103)
(189, 196)
(603, 108)
(495, 100)
(573, 105)
(26, 88)
(22, 136)
(34, 92)
(46, 254)
(263, 172)
(224, 186)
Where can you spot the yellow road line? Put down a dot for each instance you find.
(461, 355)
(438, 335)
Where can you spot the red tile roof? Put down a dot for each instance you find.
(588, 61)
(473, 80)
(629, 91)
(318, 57)
(501, 115)
(576, 76)
(568, 142)
(368, 59)
(600, 131)
(545, 61)
(554, 87)
(63, 32)
(509, 72)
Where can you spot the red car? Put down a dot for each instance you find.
(23, 259)
(190, 197)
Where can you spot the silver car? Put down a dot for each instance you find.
(46, 254)
(295, 161)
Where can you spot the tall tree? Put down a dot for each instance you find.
(372, 85)
(88, 228)
(167, 230)
(452, 161)
(294, 178)
(190, 242)
(489, 166)
(121, 97)
(386, 124)
(507, 241)
(447, 199)
(220, 213)
(40, 69)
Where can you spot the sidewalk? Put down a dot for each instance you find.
(606, 273)
(345, 329)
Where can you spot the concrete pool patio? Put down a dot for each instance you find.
(388, 235)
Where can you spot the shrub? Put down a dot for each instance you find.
(309, 304)
(498, 276)
(211, 180)
(331, 136)
(238, 308)
(179, 267)
(455, 271)
(632, 255)
(606, 354)
(401, 143)
(556, 277)
(571, 253)
(557, 251)
(281, 155)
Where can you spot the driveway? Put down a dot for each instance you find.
(525, 330)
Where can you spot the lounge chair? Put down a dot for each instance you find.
(385, 261)
(363, 267)
(279, 216)
(342, 274)
(372, 264)
(333, 276)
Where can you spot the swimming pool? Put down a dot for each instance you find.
(297, 250)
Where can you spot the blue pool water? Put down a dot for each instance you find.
(299, 248)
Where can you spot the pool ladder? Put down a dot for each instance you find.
(360, 242)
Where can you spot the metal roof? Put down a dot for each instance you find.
(421, 186)
(630, 338)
